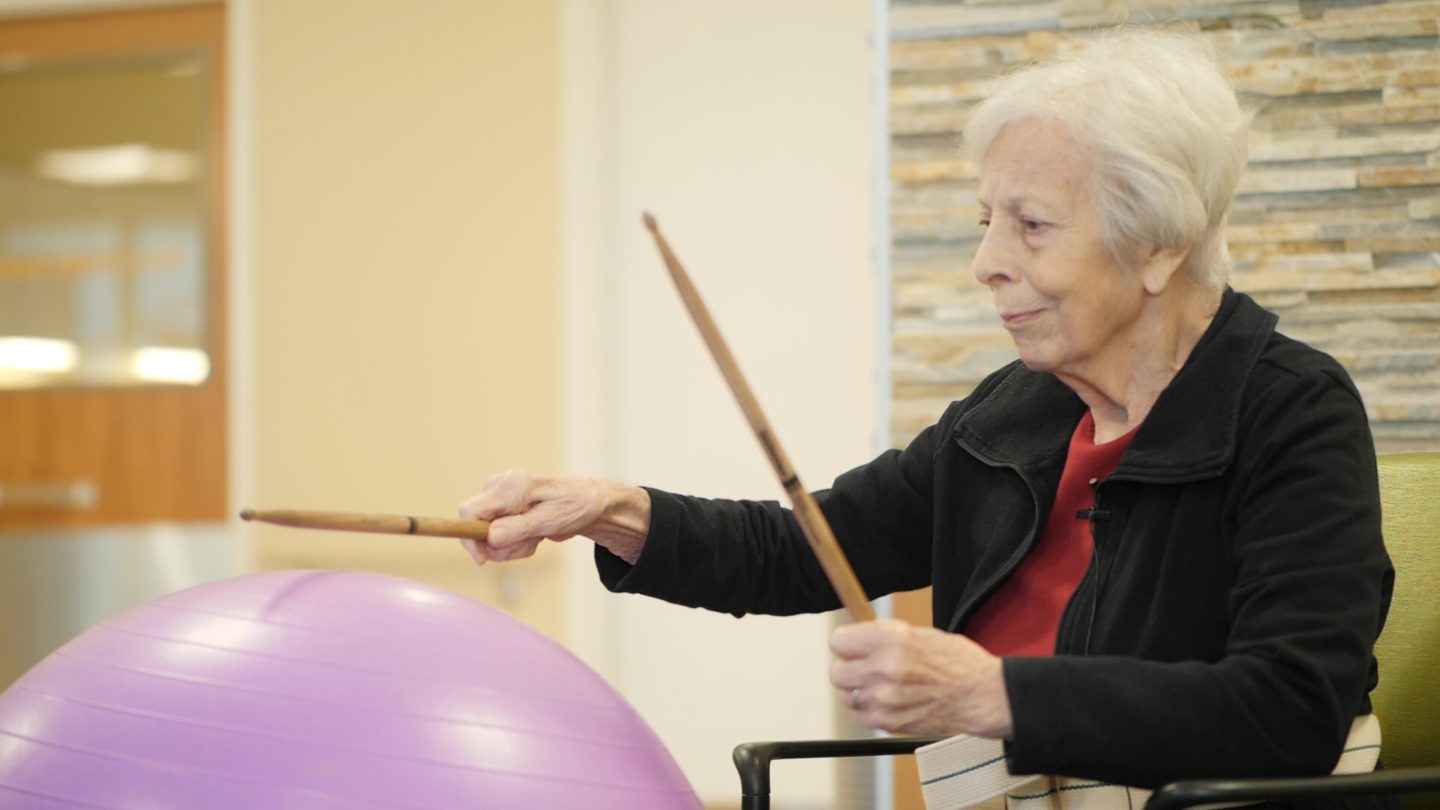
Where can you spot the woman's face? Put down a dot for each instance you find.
(1066, 303)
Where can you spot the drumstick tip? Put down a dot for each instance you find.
(650, 223)
(247, 514)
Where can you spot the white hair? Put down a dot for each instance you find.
(1164, 130)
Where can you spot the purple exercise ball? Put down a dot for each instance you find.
(324, 689)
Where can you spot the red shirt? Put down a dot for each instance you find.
(1022, 616)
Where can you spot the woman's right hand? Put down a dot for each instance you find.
(524, 509)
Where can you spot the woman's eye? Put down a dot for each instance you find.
(1032, 225)
(984, 222)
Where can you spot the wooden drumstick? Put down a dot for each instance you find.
(366, 522)
(807, 511)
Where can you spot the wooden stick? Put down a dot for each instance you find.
(807, 512)
(365, 522)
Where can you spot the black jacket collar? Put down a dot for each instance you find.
(1027, 419)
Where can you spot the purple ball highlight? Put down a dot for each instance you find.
(320, 690)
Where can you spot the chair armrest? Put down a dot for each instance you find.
(752, 759)
(1177, 795)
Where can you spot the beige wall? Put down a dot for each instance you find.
(748, 128)
(399, 328)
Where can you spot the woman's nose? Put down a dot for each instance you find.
(992, 265)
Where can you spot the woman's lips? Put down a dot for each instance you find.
(1013, 319)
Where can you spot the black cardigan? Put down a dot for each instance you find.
(1239, 582)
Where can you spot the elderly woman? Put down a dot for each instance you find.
(1154, 540)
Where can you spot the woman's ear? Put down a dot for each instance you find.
(1161, 266)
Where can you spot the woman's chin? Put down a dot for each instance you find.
(1036, 360)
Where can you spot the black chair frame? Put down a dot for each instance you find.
(752, 761)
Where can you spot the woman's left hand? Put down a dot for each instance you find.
(902, 678)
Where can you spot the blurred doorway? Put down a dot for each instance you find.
(112, 333)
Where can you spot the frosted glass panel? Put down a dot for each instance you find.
(102, 223)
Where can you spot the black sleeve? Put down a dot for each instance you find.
(751, 557)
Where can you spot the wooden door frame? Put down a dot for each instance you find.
(176, 467)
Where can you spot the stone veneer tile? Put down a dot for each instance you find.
(1411, 112)
(1313, 262)
(1279, 232)
(1370, 13)
(930, 171)
(1327, 214)
(1399, 176)
(1379, 29)
(1297, 180)
(956, 20)
(1425, 208)
(1410, 95)
(1395, 244)
(939, 93)
(1331, 147)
